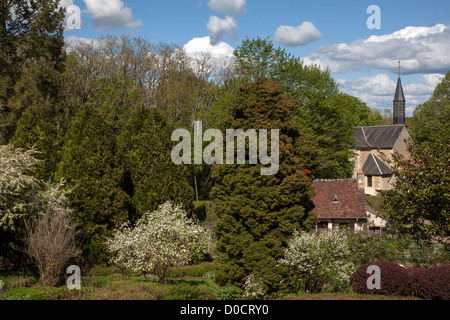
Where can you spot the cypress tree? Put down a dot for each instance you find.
(257, 214)
(146, 145)
(94, 173)
(36, 129)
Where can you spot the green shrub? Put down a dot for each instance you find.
(227, 293)
(34, 293)
(100, 281)
(199, 211)
(365, 248)
(185, 291)
(103, 271)
(196, 270)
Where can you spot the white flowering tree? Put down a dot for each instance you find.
(159, 240)
(18, 187)
(317, 258)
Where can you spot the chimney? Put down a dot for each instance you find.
(360, 179)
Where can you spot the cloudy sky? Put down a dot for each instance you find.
(339, 35)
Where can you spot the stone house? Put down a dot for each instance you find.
(342, 203)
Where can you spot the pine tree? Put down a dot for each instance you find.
(257, 214)
(94, 172)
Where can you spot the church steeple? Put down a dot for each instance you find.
(399, 102)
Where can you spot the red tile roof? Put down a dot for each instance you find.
(339, 199)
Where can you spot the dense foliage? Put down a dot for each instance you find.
(431, 122)
(32, 59)
(258, 214)
(430, 284)
(394, 279)
(365, 248)
(419, 203)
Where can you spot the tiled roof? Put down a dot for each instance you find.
(339, 199)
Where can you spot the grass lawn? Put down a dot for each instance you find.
(123, 287)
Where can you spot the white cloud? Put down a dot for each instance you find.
(421, 50)
(65, 3)
(378, 91)
(230, 7)
(219, 28)
(297, 36)
(199, 46)
(111, 14)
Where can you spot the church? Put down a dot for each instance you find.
(342, 203)
(370, 170)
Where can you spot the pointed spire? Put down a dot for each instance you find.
(399, 96)
(399, 116)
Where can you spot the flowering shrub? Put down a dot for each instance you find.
(365, 248)
(316, 259)
(18, 187)
(254, 288)
(394, 279)
(160, 239)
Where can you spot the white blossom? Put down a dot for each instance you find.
(317, 258)
(18, 187)
(160, 239)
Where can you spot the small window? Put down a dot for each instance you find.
(369, 181)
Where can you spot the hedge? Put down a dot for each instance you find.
(394, 279)
(430, 284)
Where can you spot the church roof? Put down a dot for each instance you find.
(399, 96)
(379, 137)
(375, 167)
(339, 199)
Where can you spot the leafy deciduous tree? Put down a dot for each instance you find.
(419, 203)
(431, 122)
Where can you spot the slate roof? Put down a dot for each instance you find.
(339, 199)
(379, 137)
(375, 167)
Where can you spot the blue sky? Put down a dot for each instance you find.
(330, 33)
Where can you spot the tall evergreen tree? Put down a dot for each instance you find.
(145, 143)
(94, 172)
(31, 38)
(257, 214)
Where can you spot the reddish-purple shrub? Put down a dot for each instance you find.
(415, 275)
(394, 279)
(432, 284)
